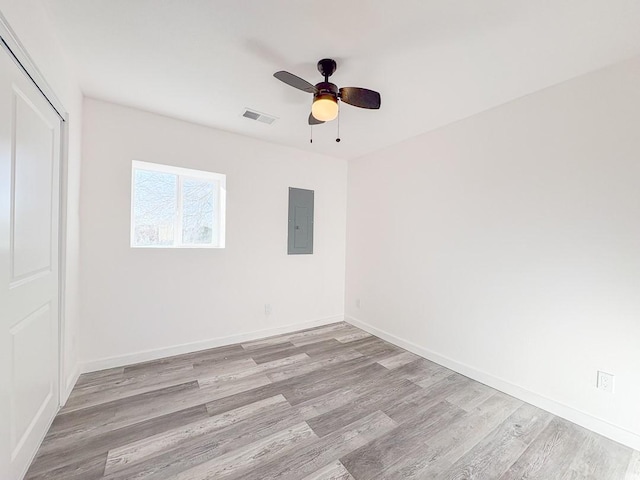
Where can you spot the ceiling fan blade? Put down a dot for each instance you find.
(313, 120)
(360, 97)
(297, 82)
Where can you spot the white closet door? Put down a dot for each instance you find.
(29, 210)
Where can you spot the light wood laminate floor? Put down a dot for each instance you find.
(327, 403)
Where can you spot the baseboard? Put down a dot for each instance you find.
(155, 354)
(579, 417)
(69, 384)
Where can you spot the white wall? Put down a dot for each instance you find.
(30, 22)
(146, 303)
(507, 245)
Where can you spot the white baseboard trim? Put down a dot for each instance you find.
(69, 384)
(155, 354)
(579, 417)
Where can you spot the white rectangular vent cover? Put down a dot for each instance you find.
(260, 117)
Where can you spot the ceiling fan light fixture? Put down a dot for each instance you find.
(325, 107)
(326, 94)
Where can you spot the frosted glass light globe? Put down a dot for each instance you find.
(324, 108)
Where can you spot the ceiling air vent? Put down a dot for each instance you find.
(260, 117)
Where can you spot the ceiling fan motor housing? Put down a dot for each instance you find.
(326, 88)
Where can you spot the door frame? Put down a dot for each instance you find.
(10, 43)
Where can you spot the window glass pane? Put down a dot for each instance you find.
(197, 211)
(155, 207)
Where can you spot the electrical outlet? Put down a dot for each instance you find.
(267, 309)
(357, 303)
(605, 381)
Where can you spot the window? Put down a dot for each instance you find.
(174, 207)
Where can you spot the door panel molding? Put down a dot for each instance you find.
(19, 436)
(30, 256)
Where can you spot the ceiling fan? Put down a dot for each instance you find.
(326, 95)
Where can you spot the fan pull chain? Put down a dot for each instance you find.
(311, 134)
(338, 137)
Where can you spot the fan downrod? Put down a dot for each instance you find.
(327, 67)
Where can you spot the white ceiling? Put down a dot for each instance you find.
(433, 61)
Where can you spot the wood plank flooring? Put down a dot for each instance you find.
(327, 403)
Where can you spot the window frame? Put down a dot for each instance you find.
(219, 180)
